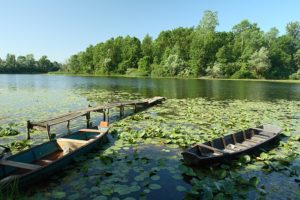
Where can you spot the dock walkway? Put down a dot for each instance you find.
(46, 124)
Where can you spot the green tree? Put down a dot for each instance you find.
(209, 21)
(147, 46)
(145, 65)
(173, 65)
(271, 36)
(204, 44)
(259, 62)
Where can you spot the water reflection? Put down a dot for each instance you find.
(170, 88)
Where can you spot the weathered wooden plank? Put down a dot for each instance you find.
(211, 148)
(19, 164)
(59, 120)
(72, 140)
(46, 124)
(92, 131)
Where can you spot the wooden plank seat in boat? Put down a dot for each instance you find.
(232, 150)
(72, 140)
(211, 148)
(102, 128)
(229, 150)
(92, 130)
(241, 146)
(258, 138)
(20, 164)
(262, 130)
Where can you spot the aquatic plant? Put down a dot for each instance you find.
(8, 130)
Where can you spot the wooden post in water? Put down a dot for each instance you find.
(252, 133)
(88, 117)
(68, 126)
(108, 114)
(135, 108)
(104, 115)
(48, 131)
(121, 111)
(28, 129)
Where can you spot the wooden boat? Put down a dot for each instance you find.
(231, 146)
(34, 164)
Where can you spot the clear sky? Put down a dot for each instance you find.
(60, 28)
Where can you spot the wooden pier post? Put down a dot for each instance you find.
(135, 108)
(104, 115)
(48, 131)
(88, 118)
(121, 111)
(28, 129)
(108, 114)
(68, 126)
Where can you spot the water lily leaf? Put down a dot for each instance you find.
(155, 177)
(246, 159)
(180, 188)
(186, 170)
(74, 196)
(147, 191)
(207, 193)
(221, 173)
(253, 181)
(59, 195)
(263, 156)
(139, 178)
(135, 188)
(101, 198)
(94, 189)
(122, 189)
(154, 186)
(129, 198)
(177, 176)
(219, 196)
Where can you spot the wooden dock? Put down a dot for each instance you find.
(46, 124)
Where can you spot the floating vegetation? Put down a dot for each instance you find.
(21, 145)
(8, 130)
(143, 161)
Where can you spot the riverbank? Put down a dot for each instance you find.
(187, 78)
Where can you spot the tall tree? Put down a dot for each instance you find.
(204, 44)
(259, 62)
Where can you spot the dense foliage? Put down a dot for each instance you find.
(27, 64)
(244, 52)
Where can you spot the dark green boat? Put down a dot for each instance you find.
(39, 162)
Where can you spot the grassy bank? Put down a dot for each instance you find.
(188, 78)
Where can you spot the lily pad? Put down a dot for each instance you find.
(154, 186)
(180, 188)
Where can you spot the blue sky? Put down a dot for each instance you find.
(60, 28)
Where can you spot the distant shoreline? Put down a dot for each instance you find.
(187, 78)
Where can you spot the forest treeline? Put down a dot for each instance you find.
(244, 52)
(27, 64)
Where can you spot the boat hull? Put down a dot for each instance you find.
(193, 159)
(27, 179)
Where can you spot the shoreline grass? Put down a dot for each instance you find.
(184, 78)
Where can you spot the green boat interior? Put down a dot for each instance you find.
(43, 155)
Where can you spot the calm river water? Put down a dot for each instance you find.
(147, 87)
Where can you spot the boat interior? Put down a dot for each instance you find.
(232, 143)
(47, 153)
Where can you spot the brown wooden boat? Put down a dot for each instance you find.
(231, 146)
